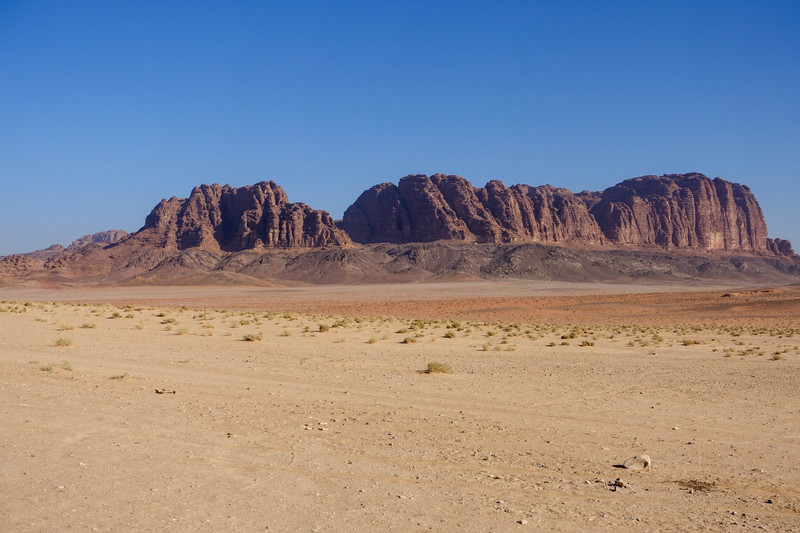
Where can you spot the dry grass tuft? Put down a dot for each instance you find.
(253, 337)
(438, 368)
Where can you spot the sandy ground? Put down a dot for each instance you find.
(137, 414)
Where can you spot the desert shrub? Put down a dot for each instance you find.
(439, 368)
(62, 342)
(450, 335)
(252, 337)
(408, 340)
(89, 325)
(66, 365)
(324, 328)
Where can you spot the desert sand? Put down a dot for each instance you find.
(309, 408)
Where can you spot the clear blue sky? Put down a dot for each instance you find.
(108, 106)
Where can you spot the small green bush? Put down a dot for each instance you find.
(438, 368)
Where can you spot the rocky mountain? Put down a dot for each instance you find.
(674, 211)
(780, 247)
(682, 211)
(103, 237)
(424, 209)
(427, 228)
(225, 218)
(127, 264)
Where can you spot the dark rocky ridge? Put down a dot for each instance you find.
(674, 211)
(417, 262)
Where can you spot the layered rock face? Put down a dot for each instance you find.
(682, 211)
(423, 209)
(226, 218)
(675, 211)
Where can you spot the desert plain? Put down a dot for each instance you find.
(311, 408)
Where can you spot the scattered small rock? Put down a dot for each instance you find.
(616, 484)
(164, 391)
(638, 462)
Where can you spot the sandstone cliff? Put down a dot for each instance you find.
(675, 211)
(440, 207)
(682, 211)
(780, 247)
(226, 218)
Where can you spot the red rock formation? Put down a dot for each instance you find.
(682, 211)
(555, 215)
(440, 207)
(676, 211)
(231, 219)
(780, 247)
